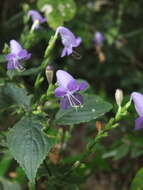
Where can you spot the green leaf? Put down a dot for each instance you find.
(5, 164)
(137, 183)
(2, 59)
(57, 11)
(93, 108)
(29, 145)
(7, 185)
(118, 153)
(122, 151)
(12, 94)
(12, 73)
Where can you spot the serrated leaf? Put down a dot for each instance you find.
(8, 185)
(93, 108)
(29, 145)
(12, 94)
(137, 183)
(57, 11)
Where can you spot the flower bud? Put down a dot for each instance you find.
(49, 73)
(98, 38)
(119, 97)
(76, 164)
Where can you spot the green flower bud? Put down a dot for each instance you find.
(119, 97)
(49, 73)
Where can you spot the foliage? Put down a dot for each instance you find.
(93, 108)
(28, 145)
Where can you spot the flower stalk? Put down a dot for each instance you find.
(31, 186)
(50, 46)
(113, 123)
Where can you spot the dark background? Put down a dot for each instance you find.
(122, 26)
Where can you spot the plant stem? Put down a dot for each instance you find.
(104, 132)
(31, 186)
(50, 45)
(48, 169)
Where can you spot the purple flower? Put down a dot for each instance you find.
(138, 101)
(98, 38)
(68, 39)
(36, 18)
(16, 55)
(68, 90)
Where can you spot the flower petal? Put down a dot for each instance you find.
(35, 15)
(66, 34)
(64, 103)
(98, 38)
(138, 101)
(76, 100)
(69, 50)
(83, 86)
(78, 41)
(60, 91)
(23, 54)
(73, 85)
(68, 39)
(15, 47)
(79, 98)
(63, 78)
(10, 65)
(139, 123)
(15, 65)
(43, 20)
(10, 56)
(64, 52)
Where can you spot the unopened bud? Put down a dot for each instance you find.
(98, 38)
(76, 164)
(49, 73)
(119, 97)
(25, 7)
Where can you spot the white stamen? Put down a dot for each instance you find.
(70, 100)
(72, 103)
(18, 66)
(34, 25)
(73, 100)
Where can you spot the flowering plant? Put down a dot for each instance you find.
(16, 55)
(59, 129)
